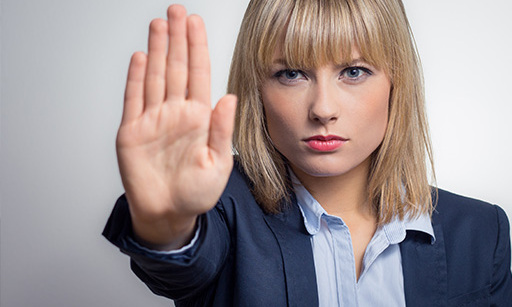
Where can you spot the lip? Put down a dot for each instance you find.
(325, 143)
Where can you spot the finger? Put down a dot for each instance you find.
(177, 58)
(157, 57)
(199, 61)
(134, 92)
(222, 125)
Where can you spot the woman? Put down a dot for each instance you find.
(328, 202)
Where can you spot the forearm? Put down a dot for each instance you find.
(174, 275)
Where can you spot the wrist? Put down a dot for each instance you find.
(164, 235)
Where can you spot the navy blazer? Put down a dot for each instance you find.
(245, 257)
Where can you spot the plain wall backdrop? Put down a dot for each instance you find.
(63, 68)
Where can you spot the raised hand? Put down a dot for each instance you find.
(174, 152)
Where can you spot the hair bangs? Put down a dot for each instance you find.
(316, 33)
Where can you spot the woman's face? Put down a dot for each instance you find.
(327, 120)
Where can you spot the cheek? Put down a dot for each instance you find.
(374, 116)
(380, 115)
(272, 113)
(280, 114)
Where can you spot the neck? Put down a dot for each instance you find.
(344, 195)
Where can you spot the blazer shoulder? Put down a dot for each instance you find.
(470, 226)
(468, 222)
(451, 207)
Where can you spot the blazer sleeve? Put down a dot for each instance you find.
(176, 276)
(501, 287)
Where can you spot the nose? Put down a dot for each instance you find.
(324, 107)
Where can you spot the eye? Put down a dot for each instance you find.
(289, 75)
(355, 73)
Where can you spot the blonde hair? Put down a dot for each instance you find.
(316, 32)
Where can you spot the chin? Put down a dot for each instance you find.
(328, 167)
(324, 170)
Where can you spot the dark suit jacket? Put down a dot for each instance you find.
(247, 258)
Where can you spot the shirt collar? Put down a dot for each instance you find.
(395, 230)
(421, 223)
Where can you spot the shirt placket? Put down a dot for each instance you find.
(344, 262)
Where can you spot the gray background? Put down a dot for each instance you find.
(63, 67)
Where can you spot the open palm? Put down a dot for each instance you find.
(174, 151)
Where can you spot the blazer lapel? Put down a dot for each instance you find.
(299, 268)
(424, 269)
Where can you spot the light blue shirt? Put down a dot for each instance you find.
(381, 281)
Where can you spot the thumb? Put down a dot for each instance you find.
(222, 125)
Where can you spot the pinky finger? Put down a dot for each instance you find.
(134, 92)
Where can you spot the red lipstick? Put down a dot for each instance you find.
(325, 143)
